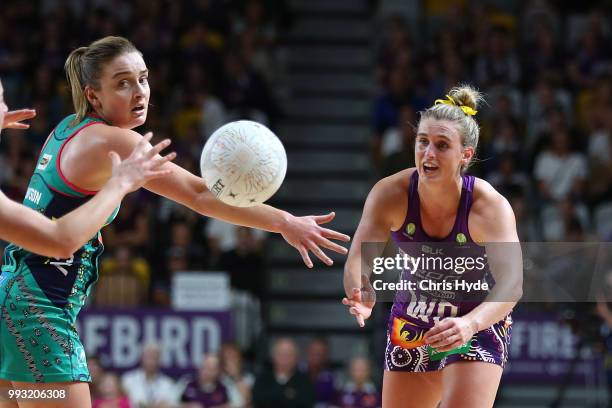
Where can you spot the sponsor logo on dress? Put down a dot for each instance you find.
(46, 159)
(33, 195)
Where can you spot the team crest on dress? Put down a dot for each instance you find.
(44, 161)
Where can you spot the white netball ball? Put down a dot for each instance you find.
(243, 163)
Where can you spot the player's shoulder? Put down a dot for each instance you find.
(388, 199)
(109, 137)
(393, 187)
(395, 183)
(487, 201)
(490, 210)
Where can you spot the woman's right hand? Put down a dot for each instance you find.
(142, 165)
(362, 301)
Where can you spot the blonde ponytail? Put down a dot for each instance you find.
(74, 74)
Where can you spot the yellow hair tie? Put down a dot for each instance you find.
(450, 101)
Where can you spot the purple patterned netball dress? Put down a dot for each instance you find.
(434, 295)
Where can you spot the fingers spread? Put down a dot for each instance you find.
(305, 256)
(326, 243)
(360, 320)
(319, 253)
(17, 125)
(158, 173)
(20, 114)
(160, 161)
(157, 148)
(322, 219)
(331, 234)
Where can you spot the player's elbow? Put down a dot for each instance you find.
(518, 292)
(65, 247)
(62, 250)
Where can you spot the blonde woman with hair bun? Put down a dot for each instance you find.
(437, 203)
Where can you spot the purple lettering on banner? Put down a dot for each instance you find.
(543, 349)
(118, 335)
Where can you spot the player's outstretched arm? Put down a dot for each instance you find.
(62, 237)
(382, 209)
(306, 233)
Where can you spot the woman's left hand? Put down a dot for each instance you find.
(305, 234)
(450, 333)
(13, 119)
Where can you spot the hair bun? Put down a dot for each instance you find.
(466, 95)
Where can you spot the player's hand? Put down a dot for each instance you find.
(13, 119)
(362, 301)
(450, 333)
(305, 234)
(142, 165)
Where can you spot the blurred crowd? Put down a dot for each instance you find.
(546, 72)
(225, 380)
(210, 62)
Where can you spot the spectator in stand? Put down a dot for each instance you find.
(542, 56)
(544, 100)
(238, 382)
(359, 392)
(245, 93)
(124, 280)
(507, 179)
(221, 237)
(385, 112)
(590, 58)
(207, 390)
(591, 101)
(96, 370)
(181, 239)
(600, 159)
(498, 65)
(147, 386)
(131, 227)
(560, 171)
(111, 395)
(283, 386)
(394, 44)
(398, 143)
(15, 186)
(244, 263)
(526, 223)
(317, 368)
(558, 220)
(176, 260)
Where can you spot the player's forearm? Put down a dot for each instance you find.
(264, 217)
(352, 273)
(81, 224)
(189, 190)
(488, 313)
(57, 238)
(504, 295)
